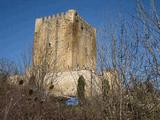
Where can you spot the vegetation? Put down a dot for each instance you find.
(133, 50)
(81, 88)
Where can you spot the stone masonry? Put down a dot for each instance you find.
(64, 42)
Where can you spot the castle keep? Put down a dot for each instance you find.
(66, 45)
(64, 42)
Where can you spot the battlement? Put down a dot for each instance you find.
(58, 15)
(70, 14)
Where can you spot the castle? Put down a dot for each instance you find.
(66, 45)
(65, 42)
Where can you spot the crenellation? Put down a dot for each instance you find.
(49, 17)
(42, 18)
(45, 18)
(65, 44)
(53, 16)
(62, 14)
(58, 15)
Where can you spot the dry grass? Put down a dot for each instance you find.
(140, 102)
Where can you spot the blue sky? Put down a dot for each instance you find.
(17, 18)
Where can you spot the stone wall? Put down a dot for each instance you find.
(65, 83)
(64, 42)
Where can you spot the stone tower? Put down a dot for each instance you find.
(64, 42)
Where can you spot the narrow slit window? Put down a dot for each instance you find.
(49, 44)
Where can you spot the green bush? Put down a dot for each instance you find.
(81, 88)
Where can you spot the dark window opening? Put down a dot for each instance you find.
(21, 82)
(81, 27)
(30, 92)
(76, 20)
(49, 44)
(51, 87)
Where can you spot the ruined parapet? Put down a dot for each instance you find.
(64, 42)
(112, 77)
